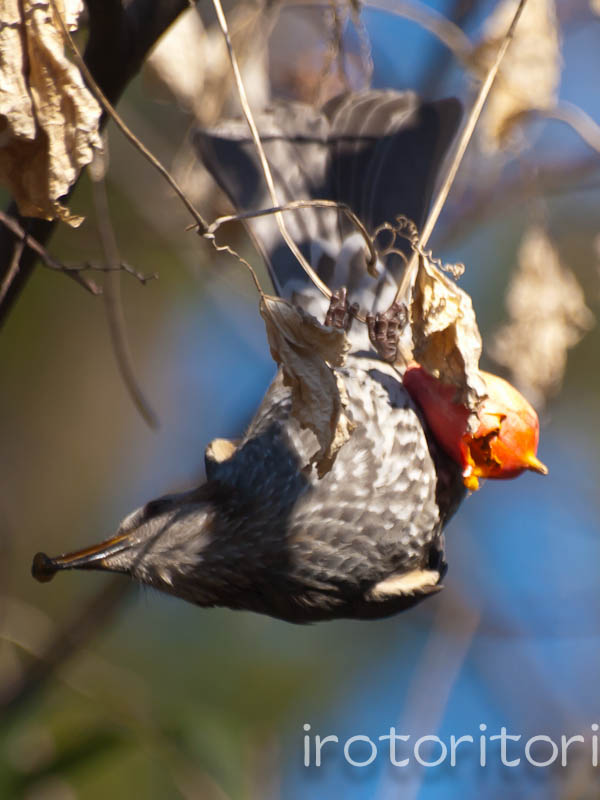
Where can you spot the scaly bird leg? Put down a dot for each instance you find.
(384, 330)
(339, 314)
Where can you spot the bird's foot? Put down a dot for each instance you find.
(384, 330)
(340, 314)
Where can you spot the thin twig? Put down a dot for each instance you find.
(586, 127)
(430, 20)
(296, 204)
(427, 18)
(334, 53)
(435, 69)
(461, 146)
(13, 269)
(74, 270)
(469, 128)
(550, 179)
(225, 248)
(121, 266)
(110, 110)
(363, 39)
(261, 153)
(27, 240)
(114, 307)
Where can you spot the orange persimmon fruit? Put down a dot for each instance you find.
(506, 440)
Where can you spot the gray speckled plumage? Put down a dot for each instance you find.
(324, 544)
(264, 532)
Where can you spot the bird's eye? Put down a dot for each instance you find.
(156, 507)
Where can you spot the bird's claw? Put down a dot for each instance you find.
(384, 330)
(340, 314)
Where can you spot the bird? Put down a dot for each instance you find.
(265, 532)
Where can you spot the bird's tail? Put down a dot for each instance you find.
(378, 152)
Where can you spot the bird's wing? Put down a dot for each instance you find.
(376, 151)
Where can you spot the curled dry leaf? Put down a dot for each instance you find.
(307, 351)
(446, 338)
(48, 118)
(547, 316)
(530, 73)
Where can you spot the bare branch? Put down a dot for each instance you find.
(114, 307)
(549, 179)
(372, 259)
(261, 153)
(335, 52)
(461, 146)
(364, 40)
(587, 128)
(225, 248)
(74, 635)
(25, 240)
(430, 20)
(73, 271)
(12, 270)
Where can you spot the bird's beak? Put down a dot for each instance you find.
(44, 568)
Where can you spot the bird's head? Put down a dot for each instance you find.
(156, 544)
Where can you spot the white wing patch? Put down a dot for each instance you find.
(417, 581)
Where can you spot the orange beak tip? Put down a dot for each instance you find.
(471, 482)
(536, 465)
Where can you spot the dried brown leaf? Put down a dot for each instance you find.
(530, 73)
(446, 338)
(307, 351)
(48, 118)
(547, 316)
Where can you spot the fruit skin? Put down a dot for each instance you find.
(506, 440)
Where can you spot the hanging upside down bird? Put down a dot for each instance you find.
(265, 532)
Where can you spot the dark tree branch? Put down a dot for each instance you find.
(73, 637)
(119, 40)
